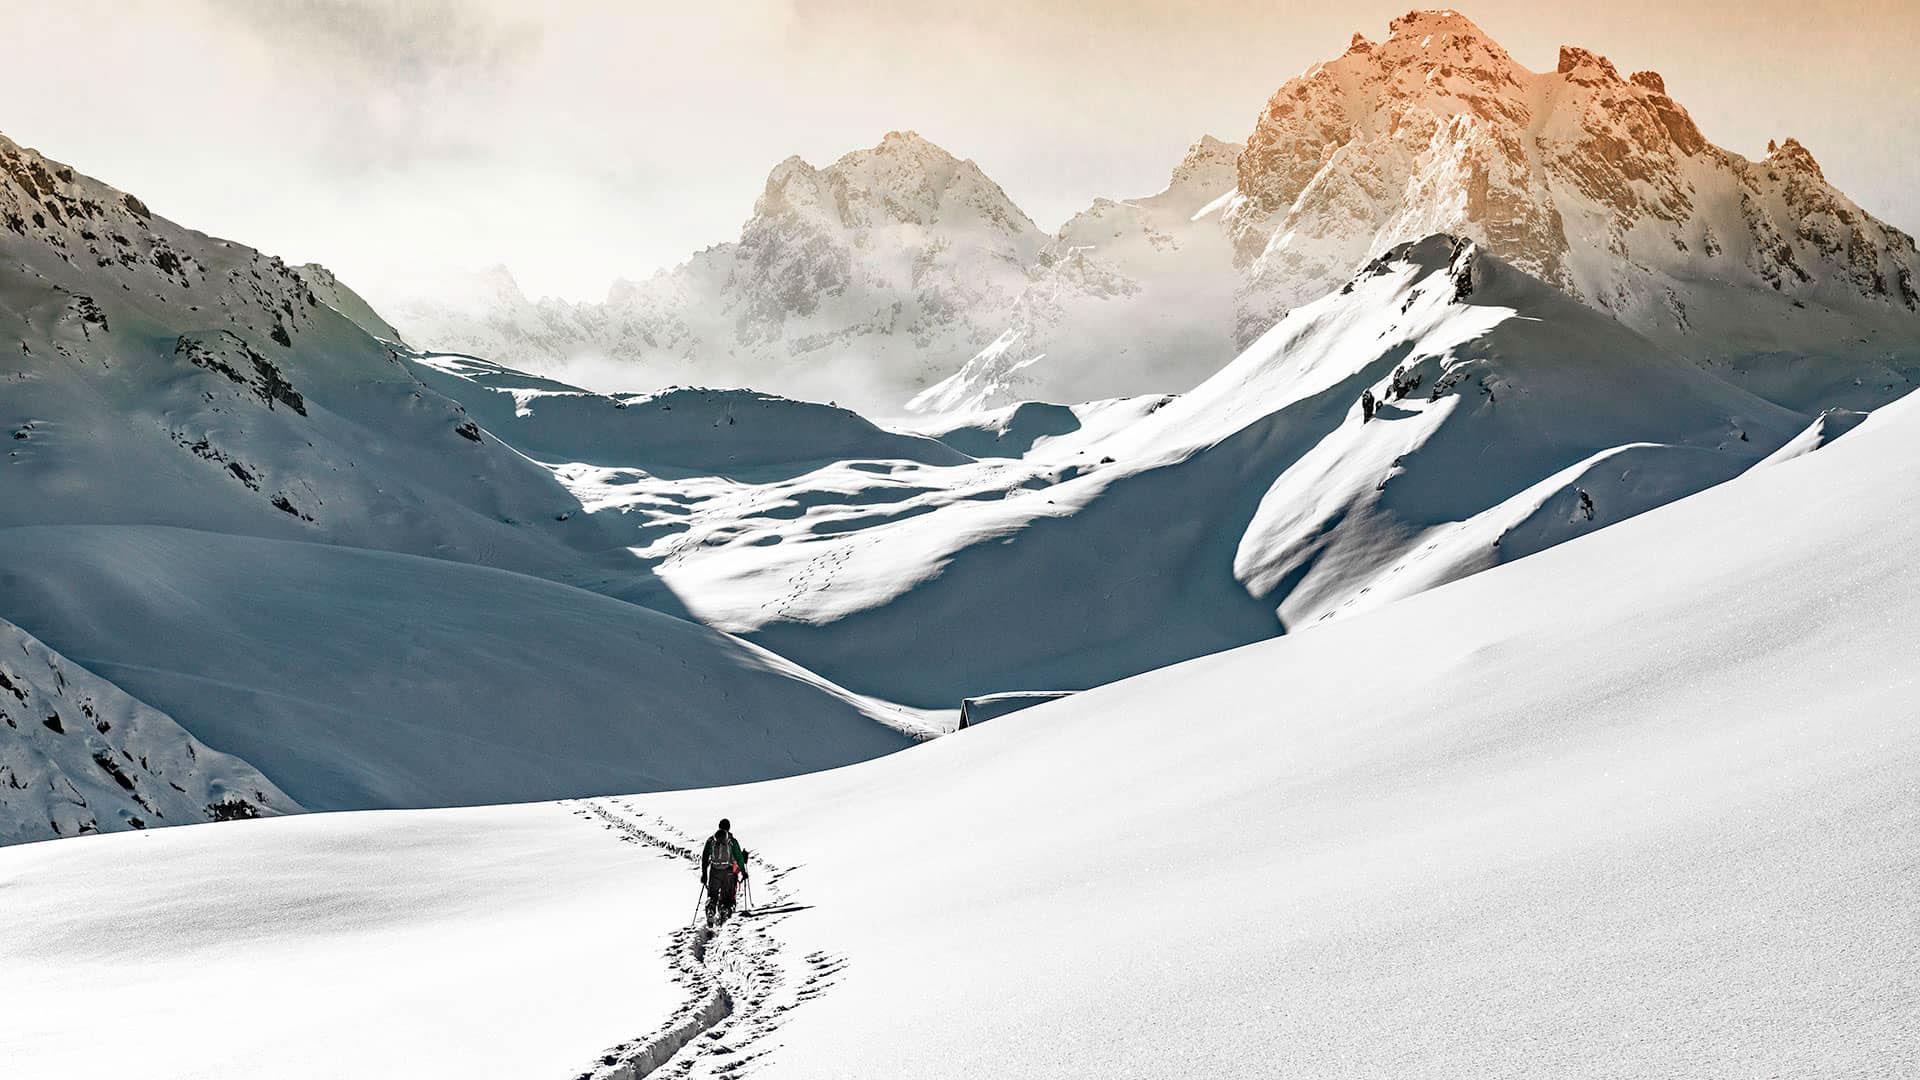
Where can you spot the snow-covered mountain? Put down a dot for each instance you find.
(484, 313)
(1131, 296)
(80, 756)
(1440, 414)
(227, 497)
(899, 267)
(358, 678)
(1598, 184)
(156, 375)
(855, 281)
(679, 432)
(1642, 806)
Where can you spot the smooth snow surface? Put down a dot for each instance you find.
(362, 678)
(500, 944)
(1641, 805)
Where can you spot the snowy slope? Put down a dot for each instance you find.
(1037, 427)
(1508, 418)
(1129, 297)
(680, 429)
(864, 280)
(80, 756)
(211, 463)
(158, 375)
(365, 679)
(1637, 806)
(1600, 185)
(331, 291)
(474, 943)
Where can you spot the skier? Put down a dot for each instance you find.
(723, 862)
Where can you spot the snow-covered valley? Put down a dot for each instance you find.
(1426, 593)
(1640, 805)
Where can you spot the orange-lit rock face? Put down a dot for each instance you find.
(1600, 184)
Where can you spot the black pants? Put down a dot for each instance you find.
(721, 884)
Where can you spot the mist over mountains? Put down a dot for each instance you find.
(1437, 314)
(1598, 183)
(1428, 591)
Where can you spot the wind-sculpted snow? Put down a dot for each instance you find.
(79, 756)
(1637, 806)
(366, 679)
(1441, 414)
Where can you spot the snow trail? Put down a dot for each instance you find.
(741, 983)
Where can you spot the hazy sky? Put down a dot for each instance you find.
(577, 140)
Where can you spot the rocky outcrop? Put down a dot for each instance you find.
(869, 276)
(1600, 185)
(79, 756)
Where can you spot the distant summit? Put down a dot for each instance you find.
(864, 274)
(900, 271)
(1599, 184)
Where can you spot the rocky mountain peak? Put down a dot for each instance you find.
(904, 179)
(1208, 167)
(1791, 155)
(1444, 39)
(1649, 80)
(1585, 66)
(910, 142)
(1420, 23)
(1600, 185)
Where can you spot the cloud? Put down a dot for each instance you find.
(389, 42)
(577, 140)
(395, 82)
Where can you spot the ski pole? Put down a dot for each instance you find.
(697, 897)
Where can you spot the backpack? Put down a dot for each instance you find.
(720, 850)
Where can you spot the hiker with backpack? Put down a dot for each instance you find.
(723, 862)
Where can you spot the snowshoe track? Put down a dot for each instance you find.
(740, 983)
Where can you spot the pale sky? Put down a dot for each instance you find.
(580, 140)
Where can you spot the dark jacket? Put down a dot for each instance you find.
(724, 850)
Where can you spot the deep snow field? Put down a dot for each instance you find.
(1464, 593)
(1640, 805)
